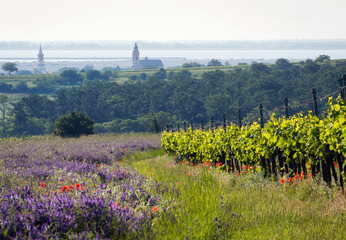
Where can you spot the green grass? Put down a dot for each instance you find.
(246, 207)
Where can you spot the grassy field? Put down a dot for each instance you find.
(207, 204)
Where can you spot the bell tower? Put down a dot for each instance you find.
(135, 58)
(40, 68)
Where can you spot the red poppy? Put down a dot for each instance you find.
(43, 184)
(125, 150)
(82, 188)
(296, 177)
(77, 185)
(148, 170)
(245, 171)
(71, 186)
(64, 188)
(116, 204)
(300, 178)
(294, 183)
(238, 175)
(155, 208)
(179, 183)
(282, 181)
(290, 180)
(99, 165)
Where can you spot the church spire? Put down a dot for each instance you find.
(39, 67)
(135, 58)
(40, 51)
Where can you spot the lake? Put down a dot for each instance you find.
(125, 55)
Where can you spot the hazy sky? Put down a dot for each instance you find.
(162, 20)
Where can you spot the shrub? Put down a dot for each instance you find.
(74, 124)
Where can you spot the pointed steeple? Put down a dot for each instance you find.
(135, 48)
(39, 67)
(40, 54)
(40, 51)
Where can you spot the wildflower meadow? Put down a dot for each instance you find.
(127, 187)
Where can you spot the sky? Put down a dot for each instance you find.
(171, 20)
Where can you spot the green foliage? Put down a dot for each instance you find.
(160, 75)
(191, 65)
(9, 67)
(322, 58)
(70, 77)
(155, 125)
(301, 139)
(214, 63)
(74, 124)
(195, 94)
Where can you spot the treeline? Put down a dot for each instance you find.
(148, 103)
(49, 83)
(22, 87)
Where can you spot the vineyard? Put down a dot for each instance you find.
(302, 145)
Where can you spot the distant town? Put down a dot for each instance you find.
(31, 56)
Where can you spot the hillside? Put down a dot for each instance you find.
(125, 101)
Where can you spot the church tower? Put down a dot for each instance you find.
(39, 67)
(135, 58)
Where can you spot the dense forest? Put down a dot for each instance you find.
(169, 97)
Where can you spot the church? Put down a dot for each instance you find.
(145, 63)
(39, 67)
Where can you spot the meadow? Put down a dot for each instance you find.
(126, 187)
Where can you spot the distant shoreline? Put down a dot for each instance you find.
(290, 44)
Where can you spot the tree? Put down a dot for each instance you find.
(155, 125)
(191, 65)
(21, 87)
(283, 64)
(214, 63)
(87, 68)
(93, 74)
(3, 111)
(74, 124)
(20, 119)
(9, 67)
(160, 75)
(322, 58)
(143, 76)
(310, 66)
(259, 68)
(70, 77)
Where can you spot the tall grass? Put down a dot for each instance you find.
(207, 204)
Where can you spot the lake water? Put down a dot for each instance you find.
(119, 55)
